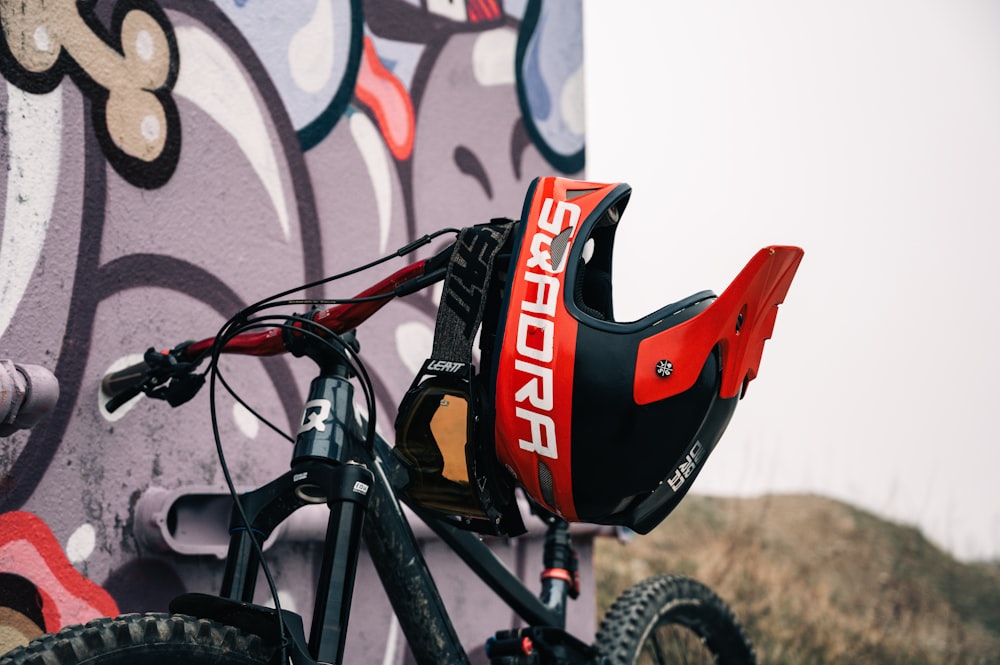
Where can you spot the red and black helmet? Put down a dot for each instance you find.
(605, 421)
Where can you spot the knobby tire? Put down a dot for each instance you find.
(671, 619)
(149, 639)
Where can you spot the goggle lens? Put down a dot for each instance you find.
(434, 440)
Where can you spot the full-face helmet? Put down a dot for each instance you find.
(597, 420)
(605, 421)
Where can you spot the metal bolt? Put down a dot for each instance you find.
(664, 368)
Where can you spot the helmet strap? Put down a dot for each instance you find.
(466, 284)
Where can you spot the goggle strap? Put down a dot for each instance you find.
(463, 298)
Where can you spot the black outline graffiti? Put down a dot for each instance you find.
(323, 124)
(138, 172)
(94, 283)
(565, 163)
(211, 16)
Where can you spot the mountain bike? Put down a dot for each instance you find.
(339, 460)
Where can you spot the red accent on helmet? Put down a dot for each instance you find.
(739, 321)
(534, 409)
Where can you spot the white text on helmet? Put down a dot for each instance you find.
(536, 328)
(551, 224)
(687, 466)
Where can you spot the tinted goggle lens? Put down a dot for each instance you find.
(435, 439)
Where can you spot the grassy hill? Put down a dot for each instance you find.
(817, 581)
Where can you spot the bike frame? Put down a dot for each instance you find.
(331, 464)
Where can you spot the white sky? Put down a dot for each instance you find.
(867, 132)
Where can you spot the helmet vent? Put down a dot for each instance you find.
(559, 245)
(545, 484)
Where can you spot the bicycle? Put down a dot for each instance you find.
(339, 460)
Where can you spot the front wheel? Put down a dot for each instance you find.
(670, 619)
(150, 639)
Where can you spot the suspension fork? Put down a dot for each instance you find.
(322, 471)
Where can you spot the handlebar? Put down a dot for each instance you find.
(169, 374)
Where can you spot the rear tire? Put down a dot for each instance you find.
(149, 639)
(670, 619)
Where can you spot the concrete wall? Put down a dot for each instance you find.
(168, 161)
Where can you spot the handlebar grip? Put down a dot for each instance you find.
(125, 380)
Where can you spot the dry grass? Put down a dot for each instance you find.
(815, 581)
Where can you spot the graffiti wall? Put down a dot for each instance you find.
(168, 161)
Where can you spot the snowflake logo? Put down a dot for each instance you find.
(664, 368)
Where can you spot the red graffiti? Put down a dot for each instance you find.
(28, 549)
(482, 10)
(384, 94)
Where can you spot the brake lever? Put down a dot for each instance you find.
(170, 378)
(161, 375)
(179, 389)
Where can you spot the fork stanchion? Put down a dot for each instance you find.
(335, 589)
(242, 558)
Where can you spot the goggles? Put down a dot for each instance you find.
(452, 470)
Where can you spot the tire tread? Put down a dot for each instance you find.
(79, 643)
(673, 599)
